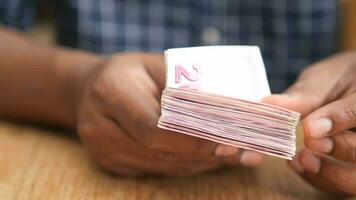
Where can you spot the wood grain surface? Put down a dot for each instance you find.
(348, 24)
(40, 164)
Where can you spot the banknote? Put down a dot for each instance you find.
(214, 93)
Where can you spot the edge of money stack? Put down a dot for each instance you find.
(255, 126)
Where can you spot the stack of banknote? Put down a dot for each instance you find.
(215, 92)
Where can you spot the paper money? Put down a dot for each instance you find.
(214, 93)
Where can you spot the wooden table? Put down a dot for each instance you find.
(45, 164)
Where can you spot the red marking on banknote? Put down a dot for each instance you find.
(181, 71)
(190, 86)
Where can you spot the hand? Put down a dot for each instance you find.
(325, 94)
(118, 115)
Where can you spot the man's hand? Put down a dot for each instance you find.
(113, 102)
(118, 115)
(325, 94)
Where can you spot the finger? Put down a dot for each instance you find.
(139, 116)
(120, 169)
(251, 158)
(332, 118)
(226, 150)
(326, 173)
(317, 85)
(340, 146)
(116, 151)
(234, 156)
(181, 144)
(304, 97)
(177, 166)
(137, 111)
(287, 101)
(99, 136)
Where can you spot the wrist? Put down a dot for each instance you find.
(74, 69)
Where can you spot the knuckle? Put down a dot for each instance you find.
(86, 130)
(352, 156)
(341, 181)
(349, 149)
(148, 123)
(349, 114)
(99, 89)
(147, 140)
(111, 166)
(146, 131)
(105, 163)
(231, 160)
(205, 147)
(166, 156)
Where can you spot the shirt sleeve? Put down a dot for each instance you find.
(18, 14)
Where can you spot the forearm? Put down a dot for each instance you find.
(40, 84)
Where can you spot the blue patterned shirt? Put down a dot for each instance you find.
(290, 33)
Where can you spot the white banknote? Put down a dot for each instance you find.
(234, 71)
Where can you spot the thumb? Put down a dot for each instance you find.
(332, 118)
(314, 88)
(303, 97)
(292, 102)
(317, 85)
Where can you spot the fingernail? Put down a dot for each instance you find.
(322, 145)
(225, 150)
(310, 162)
(251, 158)
(295, 165)
(320, 127)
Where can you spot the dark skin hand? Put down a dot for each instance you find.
(118, 123)
(113, 103)
(325, 94)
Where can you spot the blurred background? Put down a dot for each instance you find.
(291, 34)
(44, 30)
